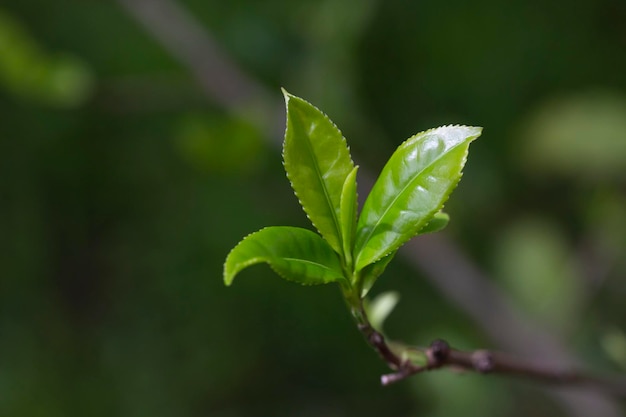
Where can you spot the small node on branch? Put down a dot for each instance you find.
(438, 352)
(483, 361)
(376, 339)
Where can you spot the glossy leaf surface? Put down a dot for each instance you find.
(317, 161)
(296, 254)
(412, 187)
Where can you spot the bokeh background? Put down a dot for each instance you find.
(140, 141)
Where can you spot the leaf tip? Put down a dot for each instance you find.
(478, 130)
(473, 131)
(286, 94)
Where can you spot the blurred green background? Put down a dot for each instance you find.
(124, 183)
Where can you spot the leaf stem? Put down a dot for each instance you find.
(373, 337)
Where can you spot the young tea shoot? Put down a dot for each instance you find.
(353, 249)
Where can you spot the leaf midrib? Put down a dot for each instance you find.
(369, 235)
(306, 261)
(334, 273)
(326, 193)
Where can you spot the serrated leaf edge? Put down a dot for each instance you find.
(427, 217)
(288, 96)
(446, 196)
(260, 259)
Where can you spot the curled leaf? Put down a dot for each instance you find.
(380, 307)
(347, 215)
(296, 254)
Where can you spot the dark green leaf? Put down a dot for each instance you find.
(296, 254)
(317, 161)
(413, 186)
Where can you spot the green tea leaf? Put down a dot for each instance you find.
(295, 254)
(347, 218)
(371, 272)
(317, 161)
(439, 221)
(413, 186)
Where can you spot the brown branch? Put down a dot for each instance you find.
(440, 355)
(221, 79)
(449, 270)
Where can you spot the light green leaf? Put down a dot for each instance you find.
(380, 307)
(439, 221)
(347, 217)
(296, 254)
(413, 186)
(317, 161)
(371, 272)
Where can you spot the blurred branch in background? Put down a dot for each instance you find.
(463, 283)
(445, 265)
(221, 79)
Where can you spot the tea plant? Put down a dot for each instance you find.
(354, 249)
